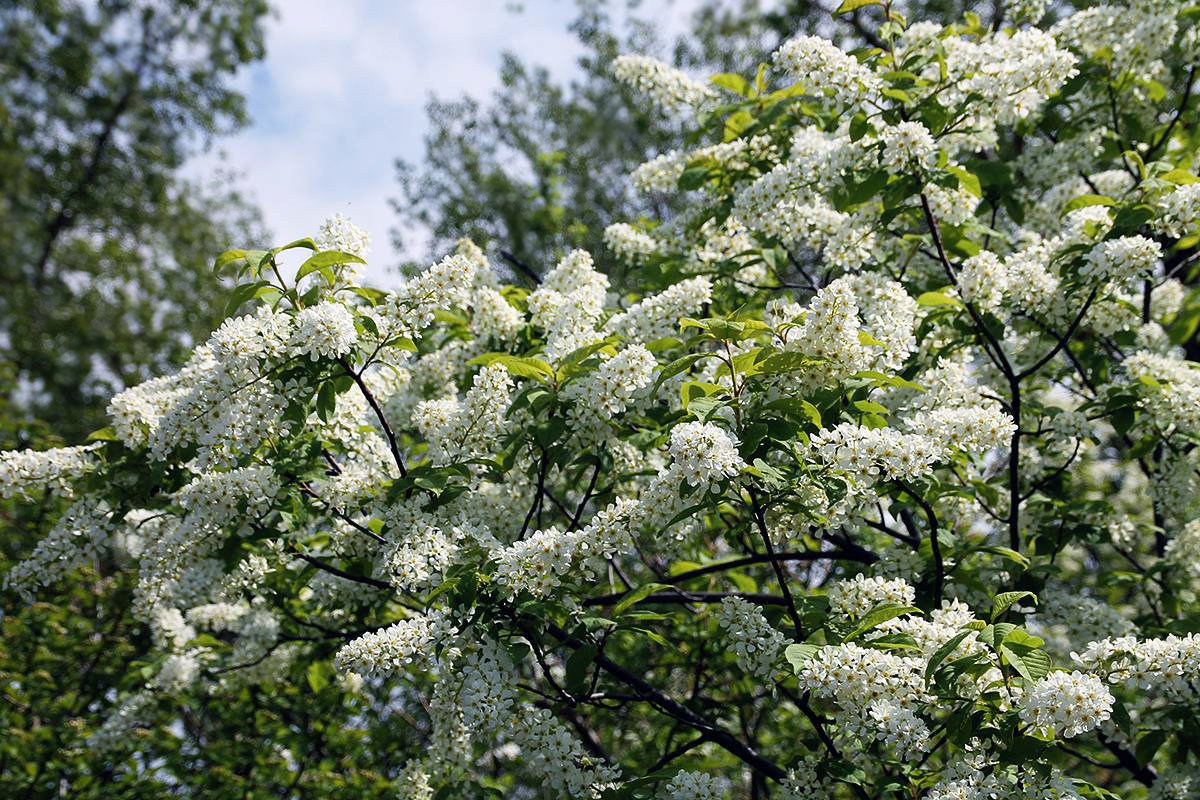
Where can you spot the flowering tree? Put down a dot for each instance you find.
(883, 485)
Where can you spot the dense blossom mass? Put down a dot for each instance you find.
(879, 479)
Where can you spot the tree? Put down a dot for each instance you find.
(879, 482)
(541, 168)
(105, 279)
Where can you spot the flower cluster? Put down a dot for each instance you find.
(664, 86)
(1066, 704)
(855, 597)
(26, 472)
(757, 645)
(704, 453)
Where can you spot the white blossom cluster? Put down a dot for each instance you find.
(78, 538)
(616, 382)
(325, 330)
(26, 472)
(825, 69)
(665, 86)
(1170, 387)
(658, 315)
(568, 303)
(537, 563)
(1123, 259)
(1178, 210)
(704, 453)
(1066, 704)
(692, 786)
(1162, 667)
(399, 648)
(855, 597)
(458, 429)
(756, 643)
(907, 147)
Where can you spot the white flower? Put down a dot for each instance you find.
(1066, 704)
(825, 70)
(25, 472)
(756, 644)
(663, 85)
(1122, 259)
(704, 453)
(325, 330)
(406, 645)
(692, 786)
(855, 597)
(906, 147)
(628, 243)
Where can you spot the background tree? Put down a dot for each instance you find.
(105, 273)
(542, 166)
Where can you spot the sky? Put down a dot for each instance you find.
(342, 91)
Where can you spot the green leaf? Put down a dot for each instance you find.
(241, 294)
(326, 258)
(868, 339)
(992, 635)
(576, 668)
(797, 654)
(676, 367)
(879, 615)
(1083, 201)
(943, 652)
(227, 258)
(1180, 176)
(966, 180)
(1006, 552)
(636, 596)
(733, 82)
(318, 675)
(691, 391)
(326, 400)
(693, 178)
(871, 407)
(1032, 665)
(306, 243)
(936, 299)
(797, 408)
(521, 366)
(853, 5)
(1003, 601)
(107, 434)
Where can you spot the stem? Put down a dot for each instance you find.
(371, 401)
(777, 566)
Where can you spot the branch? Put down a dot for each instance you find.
(680, 596)
(1144, 775)
(654, 697)
(939, 579)
(522, 267)
(809, 555)
(998, 357)
(341, 573)
(1187, 94)
(761, 523)
(387, 429)
(1062, 341)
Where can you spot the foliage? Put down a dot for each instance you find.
(541, 168)
(879, 480)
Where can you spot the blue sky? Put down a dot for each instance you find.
(341, 95)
